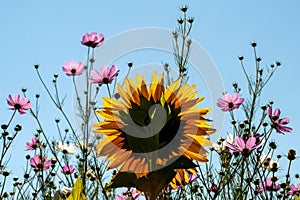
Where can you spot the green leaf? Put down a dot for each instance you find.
(123, 179)
(155, 181)
(77, 191)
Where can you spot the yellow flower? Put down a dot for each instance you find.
(148, 127)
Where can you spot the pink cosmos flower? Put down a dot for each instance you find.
(73, 69)
(36, 143)
(126, 195)
(213, 188)
(294, 190)
(269, 185)
(244, 146)
(39, 163)
(229, 103)
(18, 103)
(279, 124)
(92, 40)
(68, 169)
(106, 75)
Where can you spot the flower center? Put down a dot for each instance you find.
(274, 118)
(40, 166)
(73, 71)
(17, 106)
(230, 105)
(245, 152)
(105, 80)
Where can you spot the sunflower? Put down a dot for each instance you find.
(147, 127)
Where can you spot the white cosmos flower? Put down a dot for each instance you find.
(62, 193)
(66, 149)
(221, 146)
(264, 160)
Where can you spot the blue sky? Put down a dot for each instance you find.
(49, 33)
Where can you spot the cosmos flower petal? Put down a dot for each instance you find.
(240, 142)
(250, 144)
(277, 112)
(232, 147)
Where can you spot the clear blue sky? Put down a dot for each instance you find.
(49, 33)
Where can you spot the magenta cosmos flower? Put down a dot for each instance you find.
(18, 103)
(36, 143)
(106, 75)
(68, 169)
(213, 188)
(229, 103)
(279, 124)
(126, 195)
(73, 69)
(39, 163)
(294, 190)
(269, 185)
(92, 40)
(243, 146)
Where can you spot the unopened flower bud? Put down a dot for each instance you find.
(130, 64)
(4, 126)
(264, 107)
(274, 179)
(5, 173)
(272, 145)
(175, 34)
(183, 8)
(278, 63)
(234, 85)
(5, 195)
(180, 21)
(18, 127)
(242, 125)
(190, 20)
(253, 44)
(291, 154)
(4, 134)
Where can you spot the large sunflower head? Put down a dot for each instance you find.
(147, 128)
